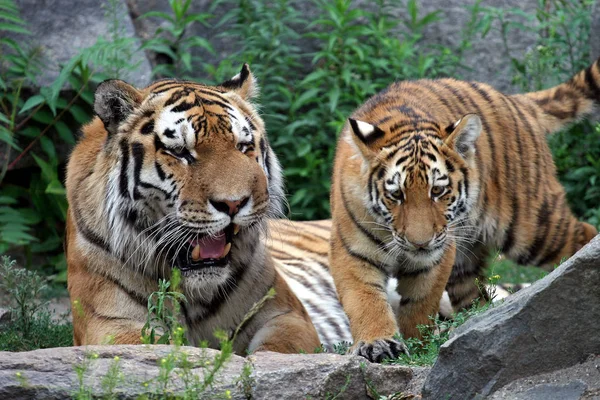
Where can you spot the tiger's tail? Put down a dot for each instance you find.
(571, 101)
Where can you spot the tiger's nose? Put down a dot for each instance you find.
(229, 207)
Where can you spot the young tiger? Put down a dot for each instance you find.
(429, 176)
(178, 175)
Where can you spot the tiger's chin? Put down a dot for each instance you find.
(425, 257)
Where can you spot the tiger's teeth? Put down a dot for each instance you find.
(196, 253)
(226, 250)
(236, 229)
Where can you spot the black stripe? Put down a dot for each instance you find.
(562, 229)
(161, 173)
(361, 228)
(358, 256)
(412, 273)
(123, 181)
(137, 297)
(88, 233)
(591, 82)
(543, 228)
(148, 128)
(137, 151)
(182, 107)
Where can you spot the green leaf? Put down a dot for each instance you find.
(48, 147)
(304, 98)
(7, 137)
(158, 14)
(59, 82)
(334, 96)
(55, 187)
(14, 28)
(4, 119)
(79, 114)
(64, 132)
(48, 171)
(32, 102)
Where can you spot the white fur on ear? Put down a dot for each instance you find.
(366, 132)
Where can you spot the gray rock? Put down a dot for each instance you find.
(63, 27)
(50, 374)
(581, 381)
(548, 326)
(487, 61)
(595, 32)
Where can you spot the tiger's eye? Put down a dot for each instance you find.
(437, 190)
(397, 194)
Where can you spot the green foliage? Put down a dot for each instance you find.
(170, 42)
(163, 313)
(562, 29)
(31, 325)
(32, 216)
(358, 53)
(425, 351)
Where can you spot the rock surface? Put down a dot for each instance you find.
(50, 374)
(595, 32)
(551, 325)
(63, 27)
(581, 381)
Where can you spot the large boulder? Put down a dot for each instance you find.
(549, 326)
(52, 374)
(64, 27)
(579, 382)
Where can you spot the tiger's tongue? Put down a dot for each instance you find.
(211, 247)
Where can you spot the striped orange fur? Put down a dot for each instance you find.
(178, 175)
(429, 176)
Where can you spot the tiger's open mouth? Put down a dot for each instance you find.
(207, 251)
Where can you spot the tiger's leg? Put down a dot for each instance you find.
(361, 289)
(421, 294)
(289, 328)
(467, 280)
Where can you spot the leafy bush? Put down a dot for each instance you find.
(31, 325)
(358, 53)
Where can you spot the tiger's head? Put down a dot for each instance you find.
(191, 176)
(419, 185)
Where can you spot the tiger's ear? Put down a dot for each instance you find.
(244, 84)
(464, 134)
(114, 100)
(363, 136)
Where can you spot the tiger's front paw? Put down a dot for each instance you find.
(379, 349)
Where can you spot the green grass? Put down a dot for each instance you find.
(44, 332)
(31, 326)
(513, 273)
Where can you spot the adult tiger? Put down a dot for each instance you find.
(431, 174)
(178, 175)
